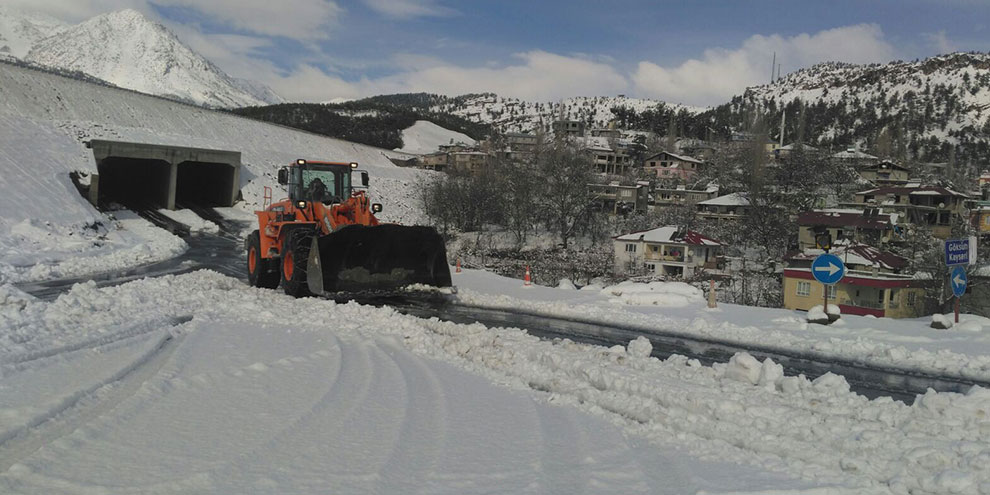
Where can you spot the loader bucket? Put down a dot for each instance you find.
(357, 258)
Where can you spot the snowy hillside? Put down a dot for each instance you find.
(45, 118)
(425, 136)
(511, 114)
(925, 107)
(130, 51)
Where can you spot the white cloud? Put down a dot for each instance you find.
(540, 76)
(407, 9)
(721, 73)
(940, 42)
(297, 19)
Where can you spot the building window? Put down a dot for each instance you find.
(651, 267)
(630, 248)
(831, 292)
(804, 288)
(912, 298)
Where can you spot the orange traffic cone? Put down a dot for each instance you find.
(458, 270)
(526, 279)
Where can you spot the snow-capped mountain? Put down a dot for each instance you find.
(128, 50)
(512, 114)
(19, 31)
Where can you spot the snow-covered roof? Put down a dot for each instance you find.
(670, 234)
(734, 199)
(914, 190)
(675, 156)
(845, 218)
(853, 154)
(857, 254)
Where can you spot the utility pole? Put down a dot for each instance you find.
(773, 66)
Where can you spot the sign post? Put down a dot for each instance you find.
(829, 270)
(958, 281)
(957, 253)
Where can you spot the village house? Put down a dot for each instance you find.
(873, 284)
(521, 144)
(784, 152)
(915, 204)
(867, 226)
(616, 198)
(433, 161)
(681, 195)
(467, 162)
(885, 173)
(666, 165)
(668, 251)
(733, 206)
(568, 128)
(855, 158)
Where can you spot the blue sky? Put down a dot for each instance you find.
(698, 52)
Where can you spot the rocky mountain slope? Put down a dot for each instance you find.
(126, 49)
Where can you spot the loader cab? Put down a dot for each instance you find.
(324, 182)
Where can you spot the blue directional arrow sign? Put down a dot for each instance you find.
(828, 269)
(957, 279)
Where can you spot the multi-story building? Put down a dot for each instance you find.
(433, 161)
(568, 128)
(609, 159)
(915, 204)
(885, 173)
(666, 165)
(468, 162)
(666, 251)
(867, 226)
(620, 199)
(874, 284)
(681, 195)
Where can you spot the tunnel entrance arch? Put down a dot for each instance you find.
(204, 184)
(134, 182)
(159, 176)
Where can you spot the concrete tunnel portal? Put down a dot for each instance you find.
(142, 175)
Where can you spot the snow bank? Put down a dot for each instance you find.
(898, 343)
(191, 220)
(666, 294)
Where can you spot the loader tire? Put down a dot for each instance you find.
(294, 260)
(261, 272)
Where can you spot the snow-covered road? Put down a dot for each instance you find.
(198, 383)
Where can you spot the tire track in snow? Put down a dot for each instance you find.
(422, 438)
(561, 437)
(141, 328)
(86, 405)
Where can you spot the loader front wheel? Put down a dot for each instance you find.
(261, 272)
(294, 260)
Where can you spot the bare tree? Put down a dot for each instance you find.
(564, 175)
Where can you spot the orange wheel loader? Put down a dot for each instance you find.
(324, 239)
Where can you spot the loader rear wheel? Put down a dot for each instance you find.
(294, 259)
(261, 272)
